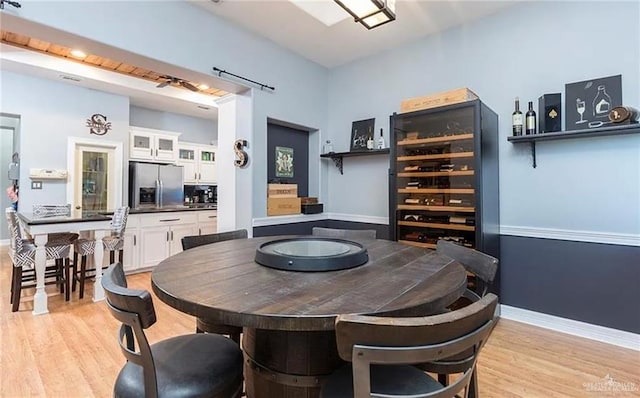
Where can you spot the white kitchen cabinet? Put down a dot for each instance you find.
(207, 222)
(160, 235)
(199, 163)
(153, 145)
(131, 252)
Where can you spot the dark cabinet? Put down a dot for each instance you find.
(444, 177)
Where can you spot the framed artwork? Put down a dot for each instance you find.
(361, 132)
(284, 162)
(588, 102)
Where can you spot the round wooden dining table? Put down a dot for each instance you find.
(288, 316)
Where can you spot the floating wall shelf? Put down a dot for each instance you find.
(337, 156)
(565, 135)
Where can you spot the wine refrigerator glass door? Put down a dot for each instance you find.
(94, 188)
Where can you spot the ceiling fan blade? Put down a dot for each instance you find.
(163, 84)
(189, 86)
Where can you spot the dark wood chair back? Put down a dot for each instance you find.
(189, 242)
(482, 265)
(134, 308)
(344, 233)
(365, 340)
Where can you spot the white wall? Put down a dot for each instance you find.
(528, 50)
(192, 129)
(50, 112)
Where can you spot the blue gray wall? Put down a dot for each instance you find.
(192, 129)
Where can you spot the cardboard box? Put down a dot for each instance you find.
(283, 206)
(282, 191)
(308, 200)
(439, 99)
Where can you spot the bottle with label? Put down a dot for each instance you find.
(530, 120)
(370, 142)
(516, 119)
(381, 141)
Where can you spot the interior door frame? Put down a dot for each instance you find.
(116, 146)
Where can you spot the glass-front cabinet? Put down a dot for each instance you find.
(444, 176)
(198, 162)
(96, 187)
(153, 145)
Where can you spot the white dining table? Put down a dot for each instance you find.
(39, 227)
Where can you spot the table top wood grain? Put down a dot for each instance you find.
(222, 283)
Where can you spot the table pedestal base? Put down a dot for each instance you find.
(287, 364)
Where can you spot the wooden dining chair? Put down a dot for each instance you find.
(189, 242)
(381, 350)
(344, 233)
(22, 253)
(482, 268)
(195, 365)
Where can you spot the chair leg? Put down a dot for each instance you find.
(112, 256)
(67, 279)
(120, 254)
(13, 278)
(74, 271)
(83, 272)
(443, 379)
(473, 385)
(60, 273)
(17, 287)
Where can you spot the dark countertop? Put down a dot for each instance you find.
(75, 217)
(174, 209)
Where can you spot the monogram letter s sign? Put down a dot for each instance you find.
(241, 156)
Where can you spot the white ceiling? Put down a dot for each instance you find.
(289, 26)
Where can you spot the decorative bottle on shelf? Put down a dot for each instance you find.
(370, 142)
(381, 140)
(601, 103)
(516, 119)
(531, 120)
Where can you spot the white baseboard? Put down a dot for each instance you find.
(358, 218)
(572, 235)
(295, 218)
(575, 328)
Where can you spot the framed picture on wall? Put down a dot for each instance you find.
(284, 162)
(361, 132)
(588, 102)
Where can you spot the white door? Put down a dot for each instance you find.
(208, 167)
(142, 145)
(187, 159)
(155, 243)
(178, 232)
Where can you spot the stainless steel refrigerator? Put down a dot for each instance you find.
(155, 185)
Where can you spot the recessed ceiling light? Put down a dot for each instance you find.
(78, 54)
(203, 87)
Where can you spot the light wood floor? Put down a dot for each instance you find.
(73, 351)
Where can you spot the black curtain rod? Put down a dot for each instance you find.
(262, 86)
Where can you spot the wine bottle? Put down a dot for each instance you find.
(381, 141)
(370, 142)
(531, 120)
(516, 119)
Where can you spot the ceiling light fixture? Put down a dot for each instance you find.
(370, 13)
(203, 87)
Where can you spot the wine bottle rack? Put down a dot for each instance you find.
(444, 177)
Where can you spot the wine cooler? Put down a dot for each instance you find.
(444, 177)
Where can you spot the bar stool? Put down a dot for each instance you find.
(116, 240)
(83, 247)
(22, 253)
